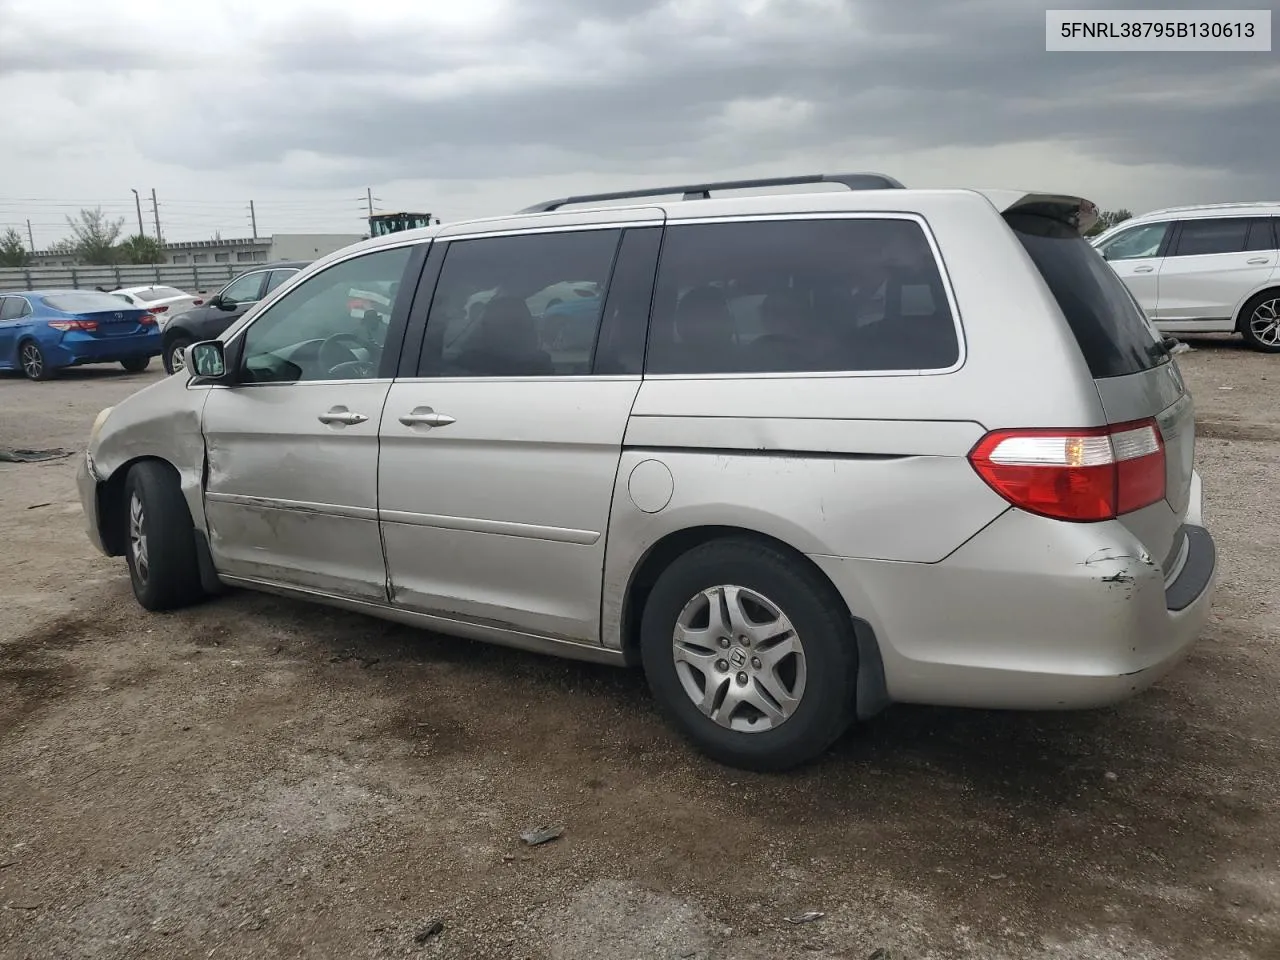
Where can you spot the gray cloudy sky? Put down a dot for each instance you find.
(481, 107)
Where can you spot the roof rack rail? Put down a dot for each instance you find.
(1229, 205)
(702, 191)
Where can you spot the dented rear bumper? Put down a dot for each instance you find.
(1032, 614)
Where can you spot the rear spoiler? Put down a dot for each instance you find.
(1073, 211)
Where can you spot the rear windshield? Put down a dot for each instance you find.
(85, 301)
(1112, 331)
(158, 293)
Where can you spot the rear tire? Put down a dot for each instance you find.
(161, 547)
(32, 361)
(174, 356)
(807, 694)
(1260, 322)
(136, 364)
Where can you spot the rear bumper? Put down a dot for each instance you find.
(1031, 614)
(69, 352)
(87, 483)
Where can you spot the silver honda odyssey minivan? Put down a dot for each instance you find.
(799, 455)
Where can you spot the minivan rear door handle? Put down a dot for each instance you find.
(1258, 260)
(1143, 269)
(426, 417)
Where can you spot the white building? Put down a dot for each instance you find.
(281, 246)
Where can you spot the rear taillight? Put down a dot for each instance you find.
(1081, 475)
(197, 303)
(147, 319)
(160, 309)
(65, 325)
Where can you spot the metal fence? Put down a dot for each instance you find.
(193, 278)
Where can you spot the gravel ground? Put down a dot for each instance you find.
(257, 777)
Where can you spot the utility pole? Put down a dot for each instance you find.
(368, 193)
(31, 237)
(155, 207)
(137, 200)
(253, 218)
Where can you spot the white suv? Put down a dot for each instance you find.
(1206, 269)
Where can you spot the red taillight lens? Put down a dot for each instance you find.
(160, 309)
(1080, 475)
(64, 325)
(148, 319)
(197, 303)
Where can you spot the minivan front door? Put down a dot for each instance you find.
(291, 495)
(500, 450)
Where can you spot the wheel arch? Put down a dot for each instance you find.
(1272, 288)
(173, 332)
(872, 690)
(112, 516)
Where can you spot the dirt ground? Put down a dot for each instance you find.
(256, 777)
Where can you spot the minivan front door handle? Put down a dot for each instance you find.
(1258, 260)
(1143, 269)
(342, 415)
(426, 417)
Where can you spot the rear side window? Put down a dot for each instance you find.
(1215, 235)
(800, 296)
(277, 277)
(1108, 324)
(13, 308)
(1261, 234)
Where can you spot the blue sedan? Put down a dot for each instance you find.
(43, 331)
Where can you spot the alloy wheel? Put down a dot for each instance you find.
(1264, 324)
(739, 659)
(138, 537)
(32, 361)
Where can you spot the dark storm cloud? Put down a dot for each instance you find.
(584, 85)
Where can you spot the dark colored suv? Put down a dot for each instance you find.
(223, 309)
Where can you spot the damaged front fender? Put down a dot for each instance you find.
(161, 422)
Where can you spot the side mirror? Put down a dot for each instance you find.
(207, 360)
(223, 303)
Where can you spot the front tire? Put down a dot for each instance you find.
(175, 352)
(161, 549)
(136, 364)
(32, 361)
(751, 653)
(1260, 322)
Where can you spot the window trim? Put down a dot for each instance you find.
(395, 335)
(665, 224)
(244, 276)
(1173, 227)
(436, 268)
(1170, 253)
(29, 311)
(1273, 226)
(939, 262)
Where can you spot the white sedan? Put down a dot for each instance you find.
(165, 302)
